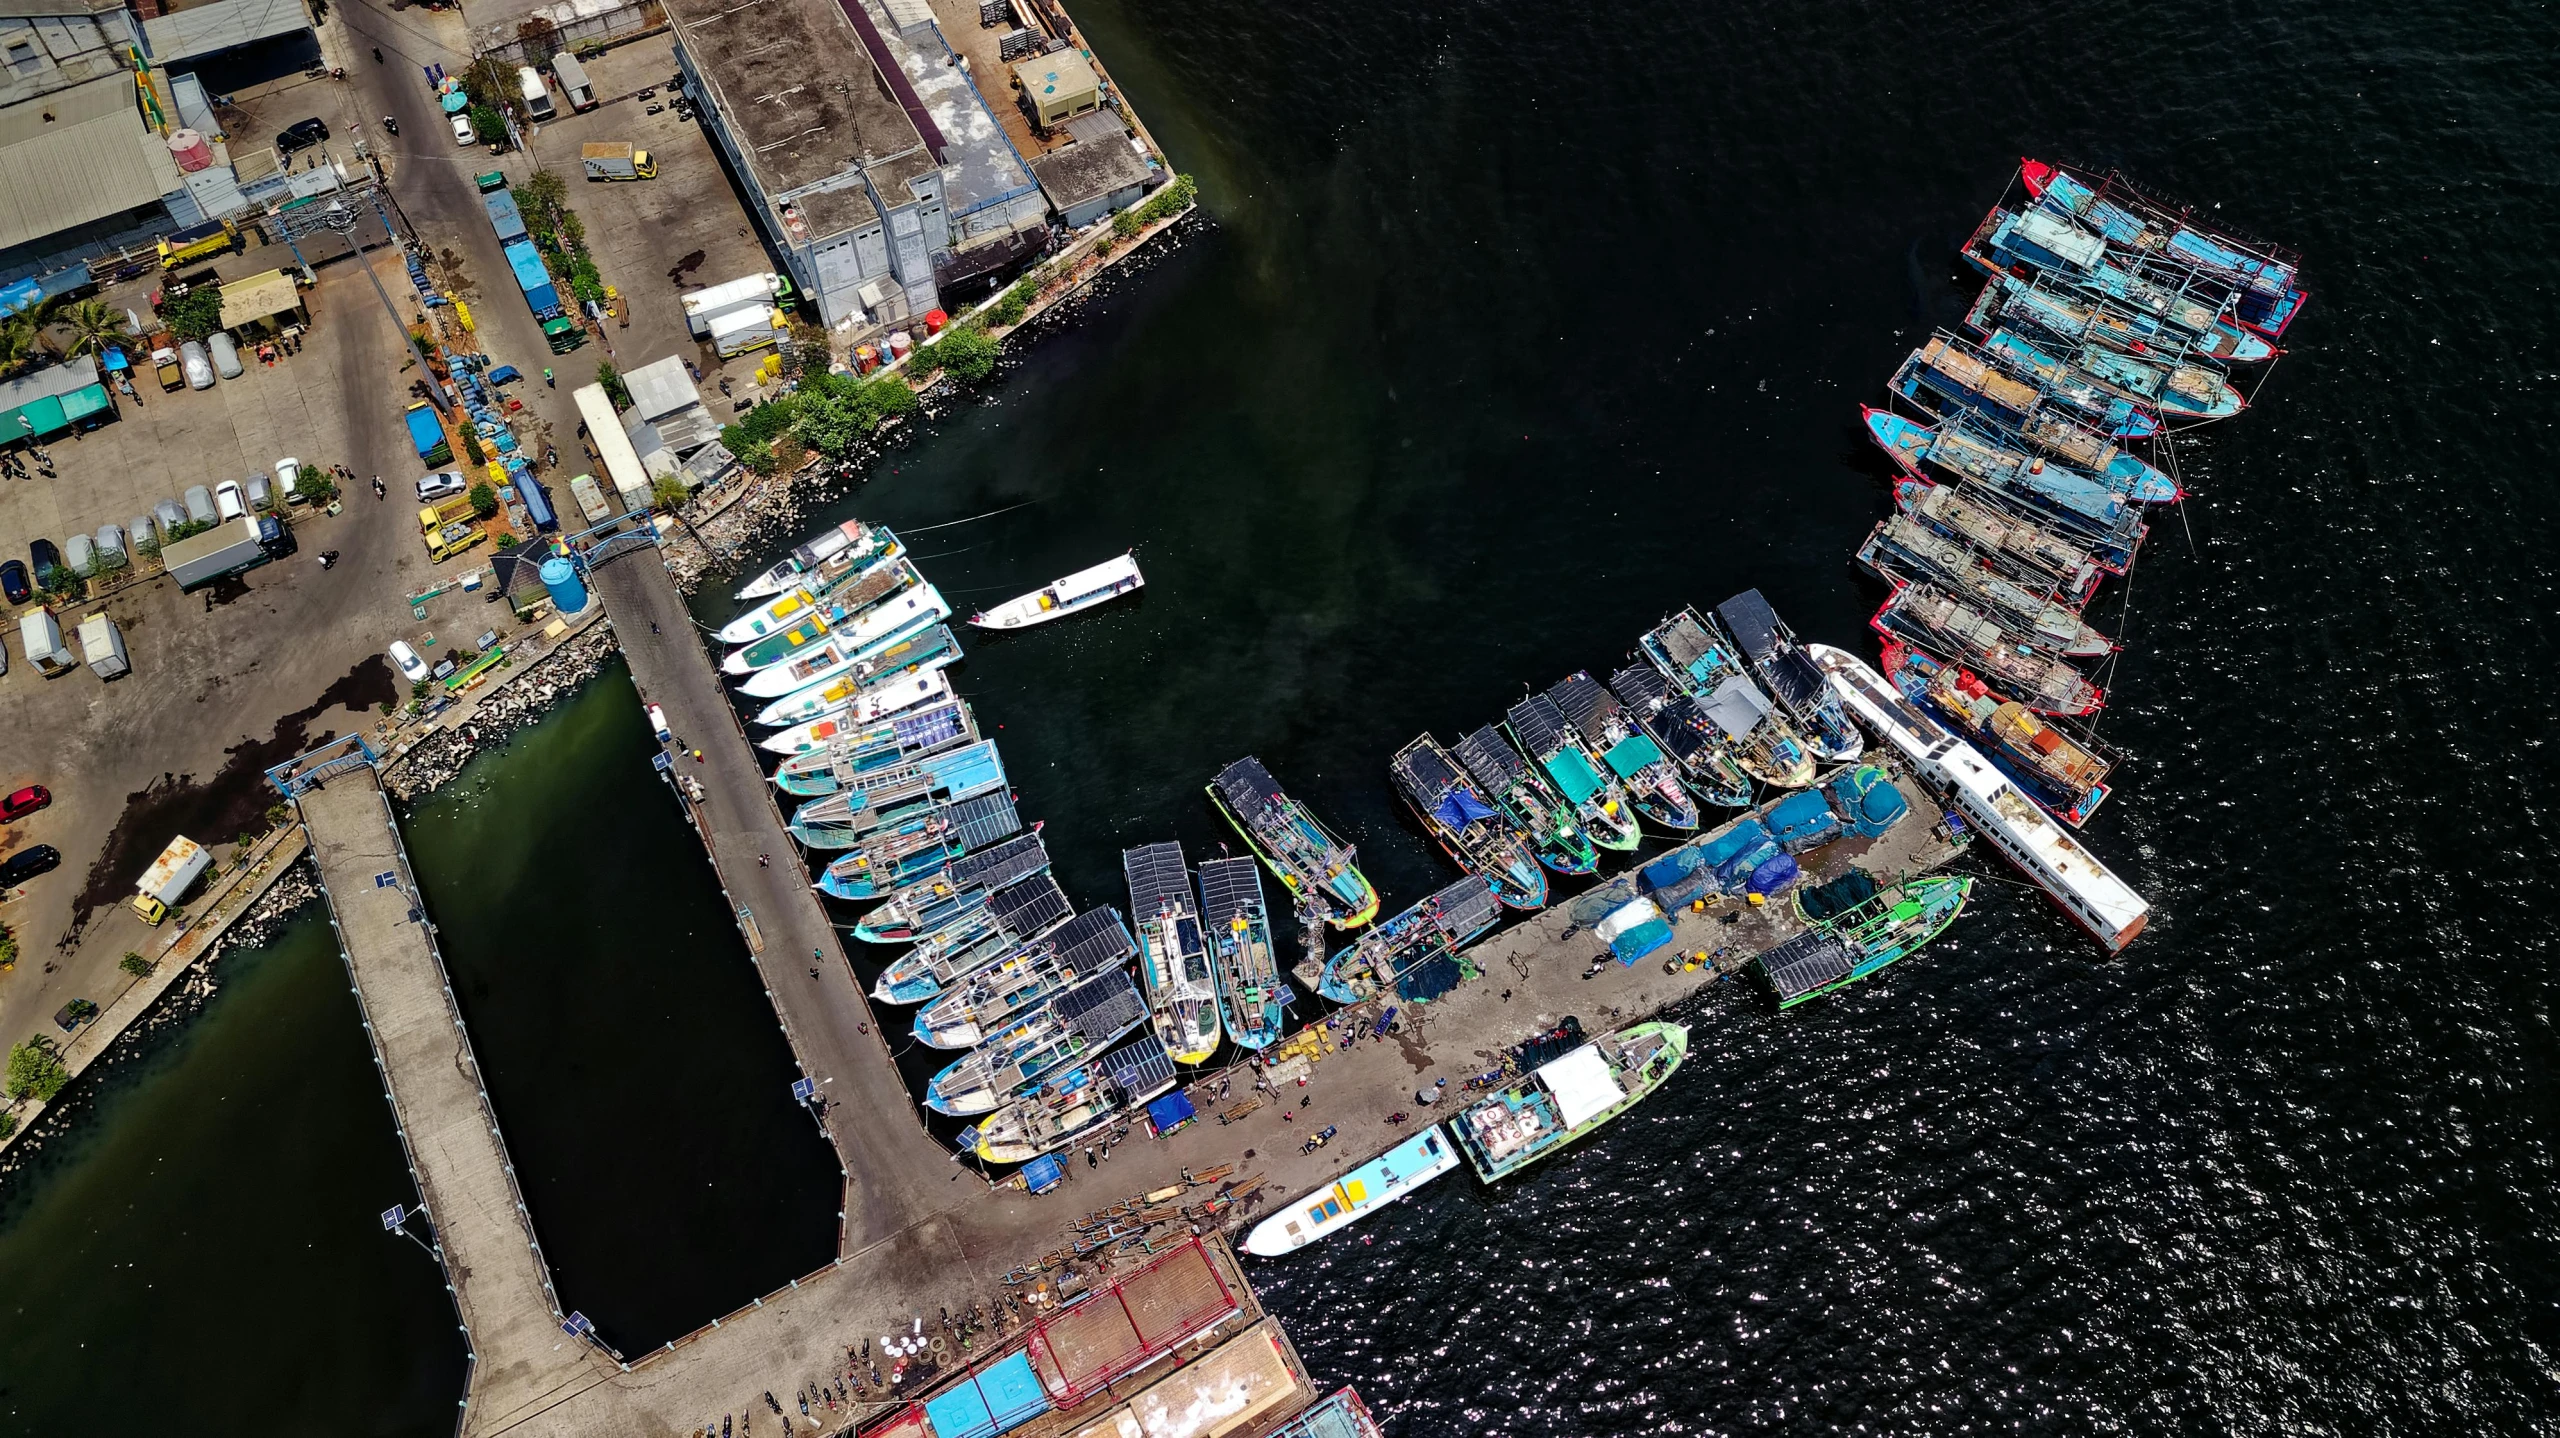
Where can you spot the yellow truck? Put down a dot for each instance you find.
(169, 878)
(452, 539)
(438, 516)
(616, 162)
(203, 241)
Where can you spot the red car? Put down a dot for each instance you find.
(26, 801)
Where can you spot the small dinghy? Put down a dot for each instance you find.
(1080, 590)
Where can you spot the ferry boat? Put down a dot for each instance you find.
(1992, 529)
(1354, 1196)
(1701, 663)
(1947, 377)
(1074, 1103)
(918, 844)
(1079, 1023)
(1414, 956)
(1173, 951)
(1901, 549)
(843, 760)
(1081, 590)
(804, 594)
(1858, 927)
(824, 615)
(1929, 616)
(848, 545)
(846, 650)
(1685, 735)
(1321, 870)
(1778, 661)
(2268, 300)
(1469, 829)
(1565, 1099)
(922, 908)
(1554, 833)
(1546, 738)
(1252, 997)
(1631, 757)
(1011, 917)
(897, 678)
(2083, 887)
(2066, 775)
(960, 1017)
(2110, 526)
(895, 795)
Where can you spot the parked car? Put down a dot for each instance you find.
(463, 134)
(27, 863)
(443, 484)
(42, 556)
(200, 504)
(288, 475)
(13, 582)
(226, 355)
(260, 495)
(26, 801)
(406, 660)
(228, 502)
(199, 369)
(301, 135)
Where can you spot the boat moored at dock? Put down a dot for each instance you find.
(1554, 831)
(982, 1002)
(916, 844)
(1080, 1022)
(1566, 1099)
(850, 545)
(1173, 951)
(1252, 997)
(1011, 917)
(923, 906)
(1931, 617)
(1414, 957)
(1685, 735)
(1780, 664)
(1947, 377)
(844, 653)
(1994, 530)
(898, 678)
(1650, 779)
(1546, 739)
(1469, 828)
(2110, 525)
(1701, 663)
(1354, 1196)
(1081, 590)
(2067, 775)
(1079, 1100)
(844, 605)
(1902, 549)
(1858, 927)
(896, 794)
(2139, 225)
(845, 759)
(1321, 870)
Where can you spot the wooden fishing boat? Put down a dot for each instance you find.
(2064, 383)
(1321, 870)
(2126, 314)
(1651, 781)
(1079, 1022)
(1173, 951)
(845, 758)
(1532, 806)
(1928, 616)
(1685, 734)
(1413, 957)
(1597, 801)
(1075, 1102)
(1011, 917)
(1469, 828)
(1252, 997)
(1781, 666)
(2269, 299)
(961, 1016)
(919, 843)
(1565, 1100)
(1901, 549)
(826, 613)
(922, 907)
(894, 794)
(807, 588)
(1703, 664)
(1858, 927)
(1081, 590)
(2111, 527)
(2064, 773)
(1947, 376)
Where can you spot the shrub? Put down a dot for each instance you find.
(471, 449)
(8, 1124)
(1125, 225)
(966, 353)
(489, 125)
(614, 390)
(315, 485)
(1172, 200)
(8, 949)
(147, 547)
(669, 491)
(136, 965)
(484, 501)
(506, 542)
(35, 1069)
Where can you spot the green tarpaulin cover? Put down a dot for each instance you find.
(1632, 754)
(1573, 775)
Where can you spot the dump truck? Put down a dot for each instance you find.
(169, 878)
(438, 516)
(190, 245)
(102, 646)
(227, 549)
(617, 161)
(426, 434)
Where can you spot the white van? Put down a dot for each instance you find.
(537, 100)
(573, 81)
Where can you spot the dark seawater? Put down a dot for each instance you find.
(1515, 326)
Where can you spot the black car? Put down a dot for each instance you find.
(301, 135)
(27, 863)
(43, 558)
(13, 582)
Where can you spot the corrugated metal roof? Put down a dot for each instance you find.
(661, 388)
(75, 156)
(223, 25)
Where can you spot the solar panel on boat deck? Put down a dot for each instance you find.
(1639, 687)
(1583, 701)
(1141, 1069)
(1093, 940)
(942, 724)
(1013, 859)
(1029, 906)
(1101, 1006)
(984, 820)
(1752, 623)
(1797, 679)
(1493, 762)
(1247, 786)
(1229, 887)
(1159, 879)
(1806, 963)
(1424, 772)
(1539, 725)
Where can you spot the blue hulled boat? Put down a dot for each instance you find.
(1414, 956)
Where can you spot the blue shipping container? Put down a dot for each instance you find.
(504, 217)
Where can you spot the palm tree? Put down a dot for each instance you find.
(91, 324)
(20, 343)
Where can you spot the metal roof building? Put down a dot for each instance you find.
(78, 156)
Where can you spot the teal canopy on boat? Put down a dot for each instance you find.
(1633, 755)
(1573, 775)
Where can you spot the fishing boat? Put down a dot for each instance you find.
(1075, 1102)
(2040, 244)
(1992, 528)
(1321, 870)
(1651, 781)
(803, 595)
(1685, 734)
(2096, 516)
(2063, 383)
(1934, 619)
(1948, 375)
(846, 650)
(918, 844)
(1081, 590)
(895, 794)
(1252, 997)
(1901, 548)
(898, 678)
(922, 908)
(1354, 1196)
(841, 762)
(1469, 828)
(1702, 663)
(2123, 313)
(1079, 1023)
(2266, 277)
(1857, 928)
(1564, 1100)
(834, 611)
(2066, 775)
(1010, 917)
(960, 1017)
(1414, 956)
(1535, 809)
(1173, 951)
(1597, 802)
(1782, 667)
(849, 545)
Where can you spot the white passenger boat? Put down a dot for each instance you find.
(843, 653)
(1080, 590)
(862, 704)
(1364, 1190)
(851, 542)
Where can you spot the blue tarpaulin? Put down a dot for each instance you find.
(1003, 1395)
(1170, 1112)
(1043, 1173)
(1867, 801)
(1801, 820)
(1458, 809)
(1773, 875)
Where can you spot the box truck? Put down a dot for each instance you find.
(617, 162)
(41, 636)
(102, 645)
(169, 878)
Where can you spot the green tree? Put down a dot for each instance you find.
(8, 948)
(1126, 225)
(669, 492)
(314, 485)
(966, 353)
(20, 344)
(419, 689)
(614, 389)
(35, 1069)
(542, 195)
(484, 500)
(136, 965)
(1172, 200)
(488, 125)
(195, 314)
(471, 449)
(91, 325)
(57, 582)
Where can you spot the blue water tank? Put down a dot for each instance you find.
(568, 592)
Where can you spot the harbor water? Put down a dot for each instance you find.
(1509, 329)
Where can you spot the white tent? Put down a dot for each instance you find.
(1582, 1085)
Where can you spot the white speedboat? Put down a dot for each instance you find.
(860, 704)
(1080, 590)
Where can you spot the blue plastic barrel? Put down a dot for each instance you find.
(568, 592)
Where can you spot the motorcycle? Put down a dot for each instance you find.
(390, 125)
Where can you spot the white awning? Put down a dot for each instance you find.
(1581, 1084)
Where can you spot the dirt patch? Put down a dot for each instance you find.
(234, 801)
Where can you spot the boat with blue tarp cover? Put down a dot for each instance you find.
(1681, 729)
(1779, 662)
(1469, 828)
(923, 906)
(1173, 951)
(1936, 620)
(903, 676)
(897, 792)
(962, 1016)
(2112, 527)
(1078, 1022)
(1546, 737)
(1011, 917)
(2265, 276)
(1948, 376)
(825, 613)
(1651, 782)
(2064, 773)
(918, 844)
(1415, 955)
(1859, 927)
(1701, 662)
(1252, 997)
(1565, 1100)
(845, 760)
(1321, 870)
(1901, 548)
(1502, 776)
(1994, 527)
(1074, 1102)
(1354, 1196)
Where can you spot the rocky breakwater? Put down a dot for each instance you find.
(525, 697)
